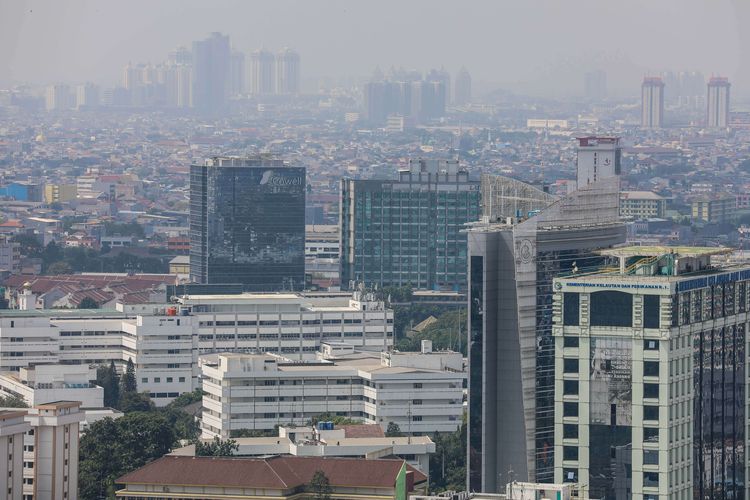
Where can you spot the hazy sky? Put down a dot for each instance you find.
(514, 43)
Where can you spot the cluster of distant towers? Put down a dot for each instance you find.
(412, 96)
(204, 78)
(209, 75)
(652, 102)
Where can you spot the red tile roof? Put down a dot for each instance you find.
(273, 473)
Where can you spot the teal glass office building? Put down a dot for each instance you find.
(408, 231)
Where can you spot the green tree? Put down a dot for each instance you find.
(320, 486)
(393, 430)
(88, 303)
(184, 425)
(59, 267)
(110, 448)
(52, 253)
(336, 419)
(216, 448)
(12, 402)
(128, 229)
(29, 245)
(448, 463)
(100, 460)
(128, 382)
(252, 433)
(187, 398)
(135, 402)
(109, 380)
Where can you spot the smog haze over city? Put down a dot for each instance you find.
(406, 250)
(513, 44)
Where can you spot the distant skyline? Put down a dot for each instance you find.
(513, 44)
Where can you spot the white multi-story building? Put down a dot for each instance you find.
(651, 373)
(53, 455)
(13, 427)
(10, 255)
(642, 205)
(39, 458)
(292, 324)
(420, 392)
(652, 102)
(597, 158)
(717, 107)
(40, 384)
(165, 346)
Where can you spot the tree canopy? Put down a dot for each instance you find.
(88, 303)
(109, 380)
(128, 382)
(12, 402)
(393, 430)
(110, 448)
(320, 486)
(216, 448)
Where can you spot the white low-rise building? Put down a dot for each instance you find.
(420, 392)
(47, 383)
(164, 341)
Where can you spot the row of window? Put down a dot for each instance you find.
(574, 341)
(169, 380)
(611, 308)
(291, 322)
(288, 336)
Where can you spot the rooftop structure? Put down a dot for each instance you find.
(504, 197)
(598, 157)
(339, 441)
(45, 383)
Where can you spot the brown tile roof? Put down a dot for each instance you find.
(273, 473)
(362, 430)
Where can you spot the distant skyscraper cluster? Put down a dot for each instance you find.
(689, 92)
(409, 95)
(204, 77)
(685, 89)
(274, 74)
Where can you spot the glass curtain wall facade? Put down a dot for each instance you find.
(513, 387)
(408, 231)
(247, 224)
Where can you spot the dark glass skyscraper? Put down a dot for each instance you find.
(408, 231)
(247, 223)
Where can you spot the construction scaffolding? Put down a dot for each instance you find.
(504, 197)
